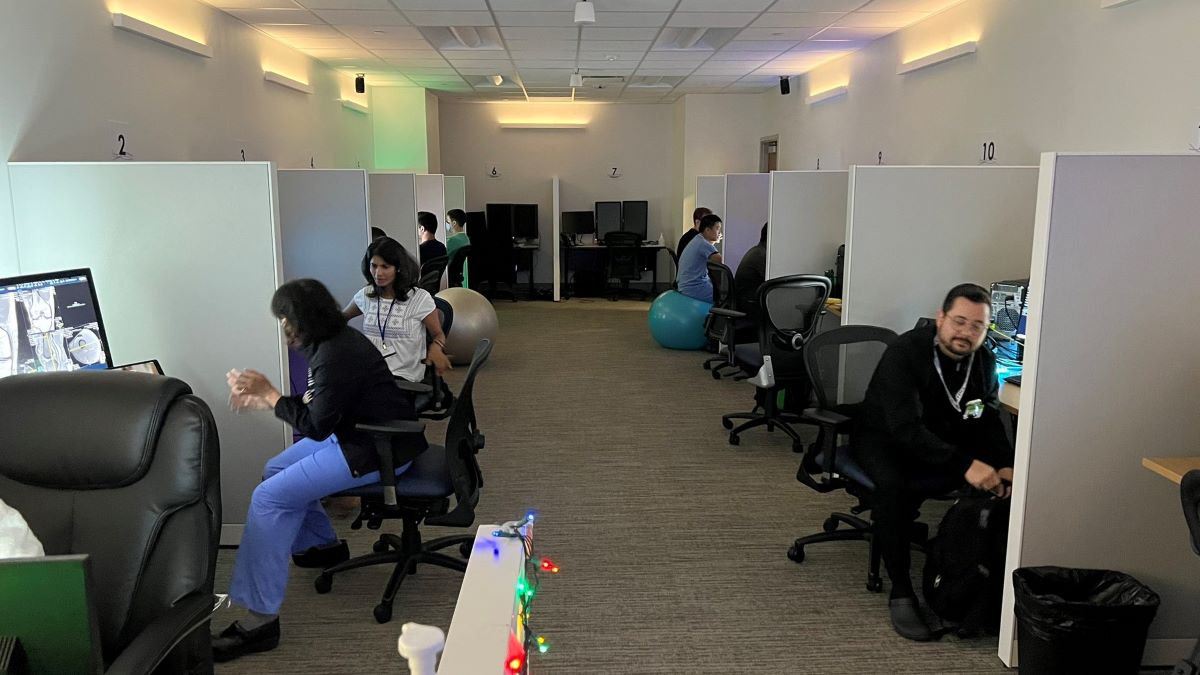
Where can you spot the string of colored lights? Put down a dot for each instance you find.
(524, 640)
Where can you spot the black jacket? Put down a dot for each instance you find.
(350, 383)
(684, 241)
(907, 410)
(751, 273)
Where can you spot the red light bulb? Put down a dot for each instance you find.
(549, 566)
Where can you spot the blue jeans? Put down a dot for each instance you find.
(286, 517)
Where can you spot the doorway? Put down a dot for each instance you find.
(768, 154)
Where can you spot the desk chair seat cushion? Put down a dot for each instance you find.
(748, 356)
(846, 467)
(428, 476)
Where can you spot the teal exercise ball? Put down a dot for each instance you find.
(474, 320)
(677, 321)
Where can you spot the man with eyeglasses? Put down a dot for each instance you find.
(930, 418)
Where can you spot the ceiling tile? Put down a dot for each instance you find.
(339, 53)
(320, 43)
(675, 57)
(379, 32)
(881, 19)
(711, 19)
(816, 5)
(618, 45)
(744, 56)
(427, 71)
(346, 4)
(797, 19)
(723, 6)
(376, 45)
(499, 69)
(776, 34)
(458, 18)
(285, 31)
(630, 20)
(254, 4)
(609, 5)
(407, 65)
(362, 17)
(758, 45)
(405, 5)
(274, 15)
(604, 55)
(844, 33)
(653, 69)
(603, 33)
(527, 33)
(910, 5)
(564, 64)
(728, 68)
(541, 45)
(561, 19)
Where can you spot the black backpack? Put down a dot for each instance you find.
(964, 566)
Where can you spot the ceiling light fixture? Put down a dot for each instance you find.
(163, 35)
(585, 12)
(576, 79)
(496, 79)
(935, 58)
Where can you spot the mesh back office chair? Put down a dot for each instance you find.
(1189, 494)
(431, 274)
(674, 268)
(724, 322)
(123, 467)
(624, 259)
(432, 397)
(421, 494)
(791, 311)
(458, 265)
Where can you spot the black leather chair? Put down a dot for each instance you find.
(457, 263)
(724, 323)
(624, 257)
(421, 495)
(431, 273)
(791, 313)
(122, 467)
(1189, 494)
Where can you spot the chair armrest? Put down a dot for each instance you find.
(727, 313)
(383, 433)
(412, 387)
(157, 639)
(392, 427)
(826, 417)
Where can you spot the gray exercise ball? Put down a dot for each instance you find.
(474, 320)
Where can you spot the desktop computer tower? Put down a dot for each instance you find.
(1008, 304)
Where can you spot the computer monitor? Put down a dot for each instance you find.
(525, 221)
(47, 608)
(635, 216)
(578, 222)
(51, 322)
(150, 367)
(608, 218)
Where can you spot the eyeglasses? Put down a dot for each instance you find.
(962, 323)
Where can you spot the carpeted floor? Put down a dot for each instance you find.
(671, 541)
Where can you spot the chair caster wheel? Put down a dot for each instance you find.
(707, 365)
(716, 375)
(379, 546)
(464, 549)
(798, 447)
(382, 612)
(323, 583)
(875, 585)
(734, 440)
(830, 524)
(770, 428)
(796, 554)
(727, 423)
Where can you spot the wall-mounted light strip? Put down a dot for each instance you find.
(542, 125)
(356, 107)
(938, 57)
(272, 76)
(160, 34)
(827, 94)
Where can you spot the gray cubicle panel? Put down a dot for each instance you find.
(431, 197)
(808, 221)
(324, 221)
(394, 207)
(185, 258)
(455, 188)
(1111, 376)
(747, 207)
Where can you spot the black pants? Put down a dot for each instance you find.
(901, 487)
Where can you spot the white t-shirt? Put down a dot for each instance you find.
(16, 539)
(402, 337)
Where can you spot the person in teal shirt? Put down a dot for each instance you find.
(457, 219)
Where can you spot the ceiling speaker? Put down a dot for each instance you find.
(785, 85)
(360, 84)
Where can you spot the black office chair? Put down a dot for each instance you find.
(458, 262)
(791, 309)
(432, 397)
(1189, 494)
(724, 322)
(624, 260)
(421, 494)
(674, 268)
(123, 467)
(431, 274)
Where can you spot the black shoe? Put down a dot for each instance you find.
(236, 641)
(907, 619)
(321, 557)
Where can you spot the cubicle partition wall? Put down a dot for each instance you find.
(1113, 235)
(913, 232)
(455, 188)
(555, 231)
(325, 225)
(431, 197)
(394, 207)
(808, 221)
(710, 193)
(747, 207)
(185, 258)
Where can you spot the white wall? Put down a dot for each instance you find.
(722, 134)
(71, 82)
(1050, 75)
(433, 133)
(636, 138)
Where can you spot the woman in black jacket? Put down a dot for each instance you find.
(349, 383)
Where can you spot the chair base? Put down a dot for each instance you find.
(770, 417)
(859, 530)
(404, 553)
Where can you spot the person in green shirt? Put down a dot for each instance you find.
(457, 220)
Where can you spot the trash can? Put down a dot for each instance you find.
(1080, 620)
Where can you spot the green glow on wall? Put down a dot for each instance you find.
(398, 116)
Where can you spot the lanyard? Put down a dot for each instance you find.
(383, 325)
(955, 399)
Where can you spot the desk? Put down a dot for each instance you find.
(653, 247)
(1010, 396)
(524, 251)
(1171, 468)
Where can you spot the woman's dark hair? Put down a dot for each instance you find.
(312, 314)
(407, 270)
(377, 233)
(427, 221)
(709, 221)
(458, 216)
(762, 237)
(969, 292)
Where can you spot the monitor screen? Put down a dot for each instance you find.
(578, 222)
(635, 215)
(525, 221)
(51, 322)
(608, 218)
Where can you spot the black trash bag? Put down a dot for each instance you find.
(1081, 619)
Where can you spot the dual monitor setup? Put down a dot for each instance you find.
(51, 323)
(629, 216)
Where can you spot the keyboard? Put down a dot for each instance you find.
(1013, 379)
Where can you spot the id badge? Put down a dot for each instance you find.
(974, 410)
(385, 349)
